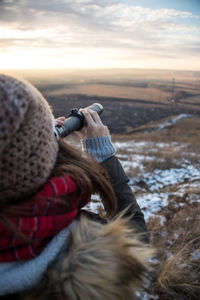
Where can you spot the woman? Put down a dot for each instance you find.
(49, 246)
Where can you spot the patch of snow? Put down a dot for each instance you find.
(162, 220)
(176, 235)
(159, 179)
(145, 296)
(182, 266)
(161, 145)
(134, 161)
(94, 204)
(133, 144)
(169, 255)
(151, 203)
(196, 255)
(172, 121)
(154, 261)
(164, 234)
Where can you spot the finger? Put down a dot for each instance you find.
(88, 117)
(59, 121)
(95, 116)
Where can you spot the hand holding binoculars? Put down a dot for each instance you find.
(75, 121)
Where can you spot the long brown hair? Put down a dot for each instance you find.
(90, 177)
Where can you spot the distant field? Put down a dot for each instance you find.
(153, 85)
(147, 93)
(130, 97)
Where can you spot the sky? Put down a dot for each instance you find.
(92, 34)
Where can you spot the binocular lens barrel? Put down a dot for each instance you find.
(76, 120)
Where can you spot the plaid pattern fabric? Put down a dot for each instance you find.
(53, 208)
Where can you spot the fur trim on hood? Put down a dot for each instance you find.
(103, 262)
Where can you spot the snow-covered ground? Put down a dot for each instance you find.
(154, 189)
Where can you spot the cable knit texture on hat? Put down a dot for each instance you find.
(28, 146)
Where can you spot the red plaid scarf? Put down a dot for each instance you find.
(53, 208)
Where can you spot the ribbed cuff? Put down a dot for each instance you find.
(100, 148)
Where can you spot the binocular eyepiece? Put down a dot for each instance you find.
(75, 120)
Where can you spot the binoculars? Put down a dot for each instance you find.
(75, 121)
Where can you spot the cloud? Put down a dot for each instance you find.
(87, 24)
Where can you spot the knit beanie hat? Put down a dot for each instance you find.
(28, 146)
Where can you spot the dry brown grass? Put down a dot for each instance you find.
(186, 131)
(177, 275)
(133, 171)
(141, 93)
(181, 143)
(164, 159)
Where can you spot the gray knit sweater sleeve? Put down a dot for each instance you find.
(100, 148)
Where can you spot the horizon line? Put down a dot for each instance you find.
(102, 69)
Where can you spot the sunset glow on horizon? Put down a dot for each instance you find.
(94, 34)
